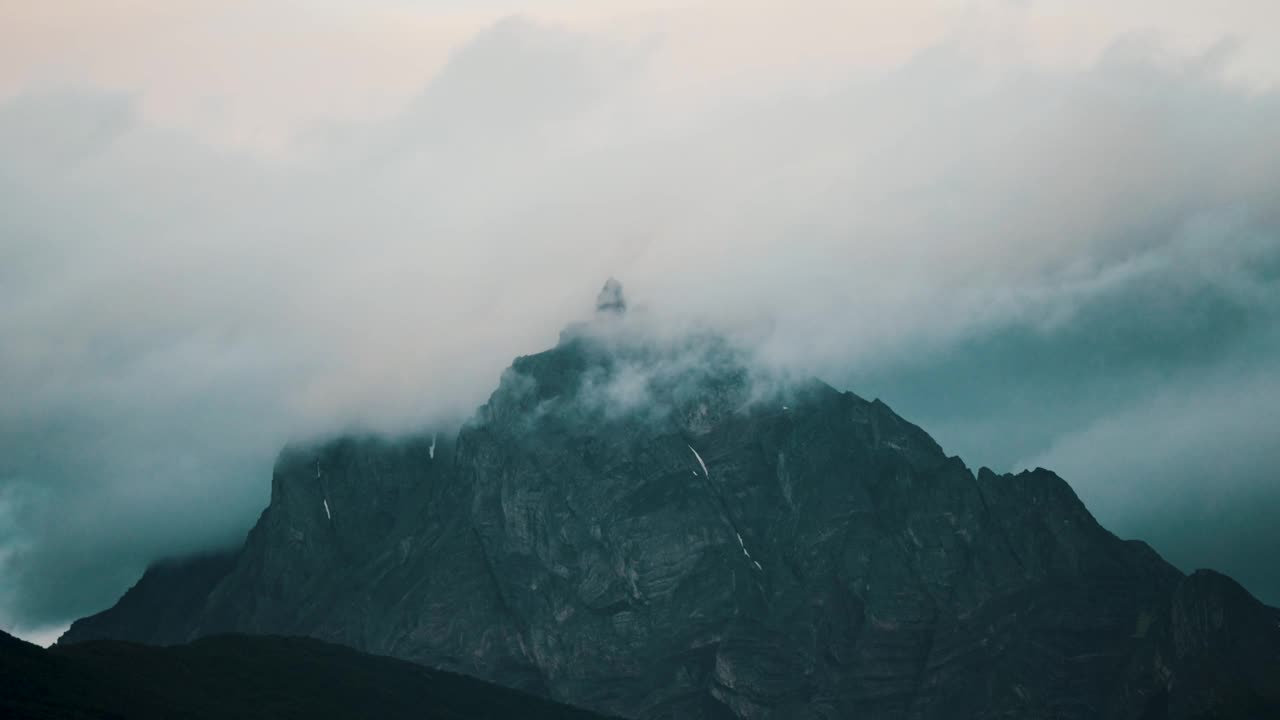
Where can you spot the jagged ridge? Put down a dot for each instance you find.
(655, 530)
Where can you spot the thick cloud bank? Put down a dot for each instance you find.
(1074, 266)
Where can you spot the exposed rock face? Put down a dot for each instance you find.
(651, 530)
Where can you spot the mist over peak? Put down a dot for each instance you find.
(631, 367)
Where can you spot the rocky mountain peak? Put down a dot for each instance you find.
(652, 527)
(610, 299)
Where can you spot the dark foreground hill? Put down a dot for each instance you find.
(238, 676)
(650, 527)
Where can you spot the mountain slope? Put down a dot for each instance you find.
(244, 677)
(649, 527)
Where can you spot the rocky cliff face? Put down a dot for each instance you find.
(651, 529)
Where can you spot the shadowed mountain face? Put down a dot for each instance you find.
(236, 676)
(653, 529)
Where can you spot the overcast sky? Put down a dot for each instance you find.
(1048, 232)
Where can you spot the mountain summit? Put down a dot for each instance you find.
(610, 298)
(655, 529)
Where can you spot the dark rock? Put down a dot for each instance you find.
(610, 298)
(238, 676)
(159, 607)
(653, 529)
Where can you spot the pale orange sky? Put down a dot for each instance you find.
(258, 74)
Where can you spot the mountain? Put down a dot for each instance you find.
(238, 676)
(648, 525)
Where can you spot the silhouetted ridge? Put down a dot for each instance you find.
(232, 676)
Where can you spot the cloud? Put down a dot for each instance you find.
(175, 308)
(1192, 468)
